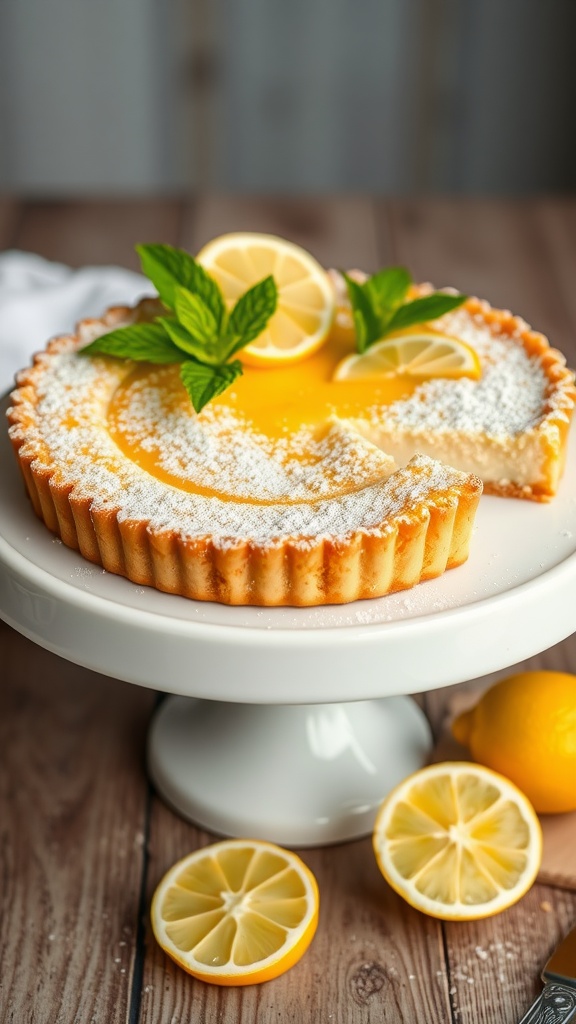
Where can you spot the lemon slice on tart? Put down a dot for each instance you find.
(238, 912)
(458, 841)
(418, 353)
(306, 297)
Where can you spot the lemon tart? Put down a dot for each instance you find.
(286, 508)
(301, 484)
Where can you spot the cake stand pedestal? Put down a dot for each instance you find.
(290, 723)
(300, 775)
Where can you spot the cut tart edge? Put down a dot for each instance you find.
(551, 433)
(548, 437)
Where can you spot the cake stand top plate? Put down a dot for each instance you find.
(513, 598)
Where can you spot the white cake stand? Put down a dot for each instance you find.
(290, 724)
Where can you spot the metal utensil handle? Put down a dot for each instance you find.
(556, 1004)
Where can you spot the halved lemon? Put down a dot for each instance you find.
(306, 299)
(458, 841)
(422, 354)
(238, 912)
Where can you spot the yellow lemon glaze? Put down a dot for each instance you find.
(279, 401)
(275, 402)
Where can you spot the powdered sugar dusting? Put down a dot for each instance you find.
(507, 400)
(220, 454)
(70, 422)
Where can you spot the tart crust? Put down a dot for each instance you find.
(418, 544)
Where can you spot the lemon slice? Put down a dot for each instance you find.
(306, 299)
(238, 912)
(421, 354)
(458, 841)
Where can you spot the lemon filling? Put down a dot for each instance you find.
(297, 433)
(222, 453)
(290, 414)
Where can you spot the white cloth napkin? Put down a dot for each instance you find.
(39, 299)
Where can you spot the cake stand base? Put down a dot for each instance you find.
(299, 775)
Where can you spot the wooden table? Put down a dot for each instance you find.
(84, 840)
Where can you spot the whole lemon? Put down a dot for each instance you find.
(525, 728)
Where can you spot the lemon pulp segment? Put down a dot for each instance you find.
(416, 353)
(458, 841)
(238, 912)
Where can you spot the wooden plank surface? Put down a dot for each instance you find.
(10, 215)
(85, 841)
(73, 824)
(91, 233)
(340, 232)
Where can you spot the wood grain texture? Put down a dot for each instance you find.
(73, 822)
(10, 214)
(372, 957)
(339, 232)
(493, 966)
(85, 233)
(84, 842)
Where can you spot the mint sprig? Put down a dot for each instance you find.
(142, 342)
(197, 330)
(379, 309)
(169, 268)
(204, 382)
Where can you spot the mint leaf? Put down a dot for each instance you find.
(206, 382)
(196, 317)
(142, 342)
(378, 306)
(166, 267)
(208, 290)
(387, 289)
(430, 307)
(251, 314)
(366, 320)
(169, 268)
(361, 329)
(184, 340)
